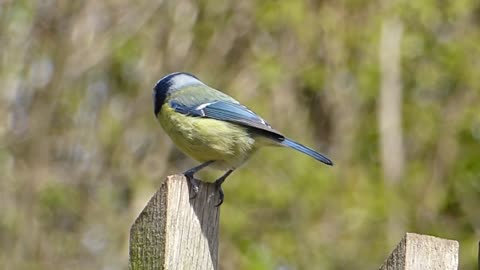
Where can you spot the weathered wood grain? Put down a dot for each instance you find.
(423, 252)
(176, 232)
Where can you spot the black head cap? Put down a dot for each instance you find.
(168, 84)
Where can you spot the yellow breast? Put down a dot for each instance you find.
(208, 139)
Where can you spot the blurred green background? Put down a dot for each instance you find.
(390, 90)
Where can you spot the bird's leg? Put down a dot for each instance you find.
(189, 174)
(218, 184)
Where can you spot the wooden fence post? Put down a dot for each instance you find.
(423, 252)
(174, 232)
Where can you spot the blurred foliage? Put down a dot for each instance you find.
(81, 152)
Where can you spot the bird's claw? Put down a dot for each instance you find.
(221, 195)
(194, 185)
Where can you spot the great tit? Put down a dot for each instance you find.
(214, 128)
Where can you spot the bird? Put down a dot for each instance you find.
(214, 128)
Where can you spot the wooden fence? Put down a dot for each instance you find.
(174, 232)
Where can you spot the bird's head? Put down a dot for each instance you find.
(169, 84)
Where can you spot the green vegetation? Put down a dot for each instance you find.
(81, 152)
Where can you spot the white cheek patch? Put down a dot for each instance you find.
(182, 80)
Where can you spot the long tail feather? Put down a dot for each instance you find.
(301, 148)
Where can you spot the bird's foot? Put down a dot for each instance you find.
(218, 185)
(191, 179)
(193, 184)
(221, 195)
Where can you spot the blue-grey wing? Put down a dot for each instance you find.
(230, 112)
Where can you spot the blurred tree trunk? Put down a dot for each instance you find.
(390, 121)
(390, 101)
